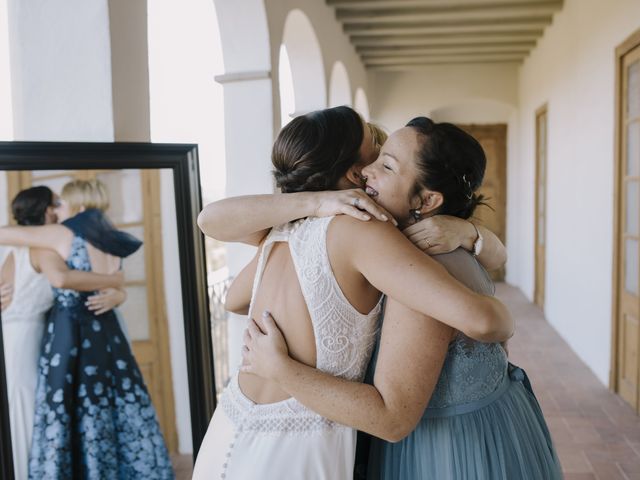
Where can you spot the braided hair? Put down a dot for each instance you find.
(452, 162)
(314, 151)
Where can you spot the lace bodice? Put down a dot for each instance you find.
(344, 337)
(32, 296)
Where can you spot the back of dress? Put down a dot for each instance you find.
(32, 295)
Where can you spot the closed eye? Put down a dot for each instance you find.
(387, 167)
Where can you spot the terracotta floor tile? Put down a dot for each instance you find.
(596, 434)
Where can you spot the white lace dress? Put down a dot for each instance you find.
(286, 440)
(22, 329)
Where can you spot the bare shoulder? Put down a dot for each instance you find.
(350, 227)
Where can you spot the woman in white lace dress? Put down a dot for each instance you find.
(32, 272)
(325, 293)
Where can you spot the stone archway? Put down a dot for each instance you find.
(339, 86)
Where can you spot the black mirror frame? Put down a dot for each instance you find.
(182, 159)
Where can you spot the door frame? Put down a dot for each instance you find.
(500, 131)
(625, 47)
(540, 272)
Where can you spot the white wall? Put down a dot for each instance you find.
(572, 70)
(482, 93)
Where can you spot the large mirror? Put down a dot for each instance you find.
(105, 318)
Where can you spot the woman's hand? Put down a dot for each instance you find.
(355, 203)
(264, 354)
(6, 295)
(105, 300)
(441, 234)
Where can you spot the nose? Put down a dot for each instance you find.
(367, 172)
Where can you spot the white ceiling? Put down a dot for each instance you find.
(406, 34)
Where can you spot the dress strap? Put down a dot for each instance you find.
(277, 234)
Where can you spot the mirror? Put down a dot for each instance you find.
(84, 384)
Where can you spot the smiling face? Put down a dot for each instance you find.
(391, 179)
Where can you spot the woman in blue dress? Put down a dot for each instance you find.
(93, 416)
(444, 406)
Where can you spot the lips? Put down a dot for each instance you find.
(372, 192)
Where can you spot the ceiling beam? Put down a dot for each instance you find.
(385, 4)
(450, 49)
(428, 40)
(440, 29)
(413, 67)
(496, 14)
(417, 60)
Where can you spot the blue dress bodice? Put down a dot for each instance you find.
(472, 370)
(78, 259)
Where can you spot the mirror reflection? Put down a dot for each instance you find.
(93, 326)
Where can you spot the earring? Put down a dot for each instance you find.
(416, 214)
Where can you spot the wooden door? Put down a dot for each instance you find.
(493, 139)
(540, 215)
(134, 196)
(627, 258)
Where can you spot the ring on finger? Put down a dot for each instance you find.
(356, 202)
(428, 242)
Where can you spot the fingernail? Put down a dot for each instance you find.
(385, 218)
(366, 217)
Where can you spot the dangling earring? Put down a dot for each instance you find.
(416, 214)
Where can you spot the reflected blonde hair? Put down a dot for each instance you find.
(85, 193)
(378, 134)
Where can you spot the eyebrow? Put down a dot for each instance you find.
(392, 156)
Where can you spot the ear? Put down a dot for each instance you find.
(354, 175)
(431, 202)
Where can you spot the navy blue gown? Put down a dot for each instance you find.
(94, 418)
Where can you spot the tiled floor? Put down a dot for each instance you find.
(183, 466)
(596, 434)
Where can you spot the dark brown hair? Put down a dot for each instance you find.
(314, 151)
(30, 206)
(452, 162)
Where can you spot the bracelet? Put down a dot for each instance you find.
(477, 245)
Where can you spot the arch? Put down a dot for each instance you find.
(361, 104)
(339, 86)
(285, 86)
(307, 66)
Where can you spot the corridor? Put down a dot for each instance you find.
(597, 435)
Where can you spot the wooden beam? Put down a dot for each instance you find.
(421, 28)
(478, 14)
(385, 4)
(414, 67)
(429, 40)
(418, 60)
(449, 49)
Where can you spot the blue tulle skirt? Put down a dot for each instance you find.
(503, 437)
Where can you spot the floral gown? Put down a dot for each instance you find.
(94, 418)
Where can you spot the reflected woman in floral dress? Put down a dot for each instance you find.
(94, 418)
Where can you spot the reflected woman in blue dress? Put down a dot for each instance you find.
(93, 416)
